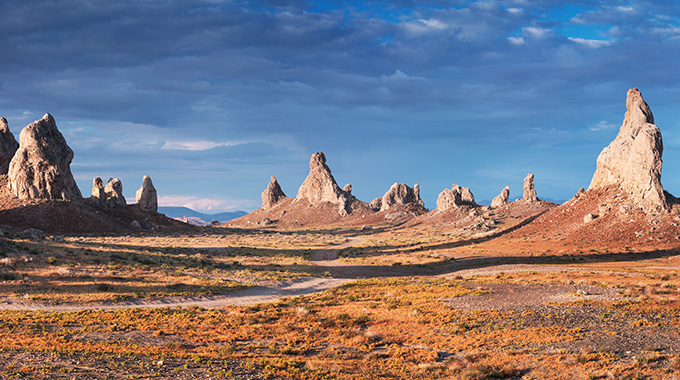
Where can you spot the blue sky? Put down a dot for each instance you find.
(212, 97)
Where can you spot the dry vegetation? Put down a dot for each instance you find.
(479, 306)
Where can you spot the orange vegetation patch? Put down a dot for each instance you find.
(400, 328)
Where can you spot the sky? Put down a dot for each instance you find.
(210, 98)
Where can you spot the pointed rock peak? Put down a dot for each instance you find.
(529, 191)
(272, 194)
(637, 110)
(347, 188)
(8, 146)
(40, 168)
(320, 186)
(146, 196)
(633, 159)
(318, 159)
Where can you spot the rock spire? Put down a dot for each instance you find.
(40, 168)
(113, 191)
(272, 194)
(146, 196)
(529, 191)
(320, 186)
(8, 146)
(633, 159)
(501, 198)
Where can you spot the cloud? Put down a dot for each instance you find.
(602, 125)
(224, 94)
(591, 43)
(199, 204)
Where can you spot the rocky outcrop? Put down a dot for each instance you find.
(633, 159)
(113, 192)
(8, 146)
(455, 197)
(529, 191)
(98, 195)
(147, 197)
(40, 168)
(272, 194)
(320, 186)
(347, 188)
(501, 198)
(398, 194)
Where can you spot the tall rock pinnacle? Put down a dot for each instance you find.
(320, 186)
(8, 146)
(633, 159)
(41, 168)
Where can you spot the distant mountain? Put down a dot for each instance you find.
(198, 218)
(486, 202)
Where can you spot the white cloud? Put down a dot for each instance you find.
(194, 145)
(536, 31)
(590, 43)
(516, 40)
(601, 126)
(199, 204)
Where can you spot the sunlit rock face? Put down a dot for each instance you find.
(633, 159)
(40, 168)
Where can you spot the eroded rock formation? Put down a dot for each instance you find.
(98, 194)
(633, 159)
(40, 168)
(455, 197)
(529, 191)
(272, 194)
(320, 186)
(147, 197)
(8, 146)
(113, 192)
(501, 198)
(398, 194)
(347, 188)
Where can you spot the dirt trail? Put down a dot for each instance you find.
(342, 272)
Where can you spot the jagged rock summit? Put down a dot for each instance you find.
(272, 194)
(501, 198)
(633, 160)
(8, 146)
(40, 168)
(320, 186)
(147, 197)
(398, 194)
(455, 197)
(529, 191)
